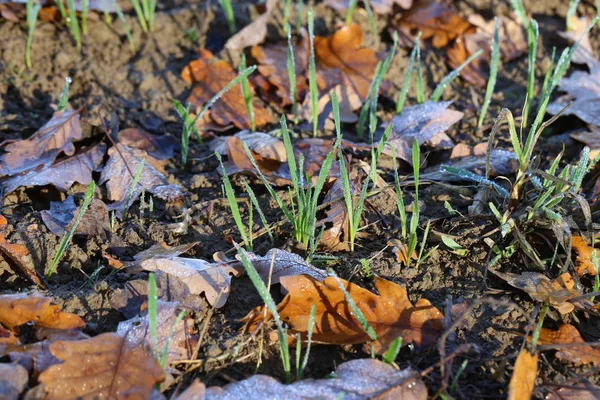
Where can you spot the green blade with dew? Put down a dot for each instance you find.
(444, 83)
(312, 72)
(247, 93)
(491, 84)
(401, 101)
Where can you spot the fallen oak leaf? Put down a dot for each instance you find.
(159, 147)
(568, 334)
(209, 76)
(19, 255)
(584, 252)
(390, 313)
(357, 379)
(19, 309)
(62, 174)
(401, 251)
(42, 148)
(95, 221)
(475, 72)
(579, 391)
(512, 37)
(105, 366)
(522, 381)
(555, 292)
(261, 143)
(253, 33)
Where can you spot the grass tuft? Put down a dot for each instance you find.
(33, 9)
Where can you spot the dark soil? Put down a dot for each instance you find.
(138, 89)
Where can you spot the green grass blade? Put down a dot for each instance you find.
(441, 87)
(84, 16)
(351, 8)
(291, 69)
(335, 105)
(517, 5)
(309, 330)
(140, 14)
(261, 215)
(407, 77)
(364, 111)
(228, 11)
(64, 95)
(312, 72)
(571, 12)
(89, 194)
(420, 84)
(491, 84)
(63, 12)
(533, 33)
(74, 23)
(392, 352)
(125, 25)
(33, 10)
(134, 183)
(247, 93)
(399, 196)
(152, 311)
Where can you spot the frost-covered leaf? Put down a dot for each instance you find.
(354, 380)
(42, 148)
(584, 91)
(62, 174)
(95, 221)
(263, 144)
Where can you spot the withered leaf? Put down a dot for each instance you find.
(584, 252)
(119, 172)
(342, 60)
(263, 144)
(42, 148)
(582, 88)
(169, 334)
(579, 391)
(576, 32)
(19, 255)
(513, 41)
(555, 292)
(63, 174)
(13, 380)
(390, 313)
(522, 381)
(19, 309)
(568, 334)
(401, 251)
(348, 100)
(379, 6)
(159, 147)
(95, 221)
(253, 33)
(475, 72)
(106, 366)
(209, 76)
(357, 379)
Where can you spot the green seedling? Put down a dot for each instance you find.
(105, 11)
(571, 12)
(33, 9)
(351, 7)
(140, 14)
(371, 17)
(491, 84)
(229, 14)
(517, 5)
(450, 209)
(303, 212)
(461, 369)
(533, 34)
(420, 84)
(392, 352)
(597, 276)
(300, 13)
(312, 72)
(300, 367)
(64, 242)
(263, 291)
(189, 124)
(126, 28)
(233, 206)
(366, 267)
(247, 93)
(84, 16)
(444, 83)
(133, 186)
(453, 246)
(74, 23)
(286, 14)
(401, 101)
(63, 101)
(291, 69)
(261, 215)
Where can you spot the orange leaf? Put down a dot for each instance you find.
(522, 381)
(390, 313)
(584, 256)
(476, 72)
(210, 76)
(342, 59)
(401, 251)
(105, 366)
(568, 334)
(19, 309)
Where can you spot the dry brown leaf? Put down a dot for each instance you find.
(105, 366)
(170, 335)
(590, 137)
(476, 72)
(272, 59)
(522, 381)
(436, 21)
(8, 13)
(19, 309)
(401, 251)
(18, 255)
(579, 391)
(390, 313)
(95, 221)
(253, 33)
(342, 60)
(209, 77)
(315, 151)
(159, 147)
(379, 6)
(513, 40)
(584, 256)
(348, 101)
(42, 148)
(568, 334)
(119, 174)
(261, 143)
(583, 90)
(555, 292)
(13, 381)
(584, 53)
(357, 379)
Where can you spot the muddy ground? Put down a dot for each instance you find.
(138, 89)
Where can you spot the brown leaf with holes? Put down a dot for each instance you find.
(341, 59)
(436, 21)
(105, 366)
(522, 381)
(272, 59)
(390, 313)
(584, 264)
(565, 335)
(42, 148)
(555, 292)
(19, 309)
(209, 76)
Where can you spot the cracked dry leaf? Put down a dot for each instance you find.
(342, 60)
(584, 264)
(62, 174)
(555, 292)
(583, 89)
(272, 60)
(173, 337)
(19, 309)
(522, 381)
(200, 276)
(390, 313)
(42, 148)
(209, 76)
(105, 366)
(357, 380)
(119, 172)
(568, 334)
